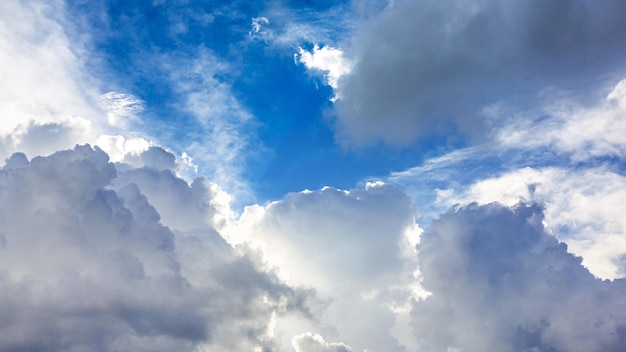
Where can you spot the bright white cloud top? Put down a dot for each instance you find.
(456, 182)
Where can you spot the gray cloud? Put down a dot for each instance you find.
(499, 282)
(424, 67)
(86, 264)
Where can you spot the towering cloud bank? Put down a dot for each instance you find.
(354, 248)
(87, 263)
(97, 256)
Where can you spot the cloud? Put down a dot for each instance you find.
(315, 343)
(423, 68)
(584, 132)
(51, 94)
(256, 27)
(353, 247)
(44, 92)
(319, 22)
(121, 107)
(499, 282)
(328, 60)
(87, 263)
(561, 153)
(582, 208)
(224, 137)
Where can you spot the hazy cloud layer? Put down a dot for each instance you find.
(315, 343)
(560, 122)
(424, 67)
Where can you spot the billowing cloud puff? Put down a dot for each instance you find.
(315, 343)
(422, 67)
(353, 247)
(326, 59)
(499, 282)
(87, 264)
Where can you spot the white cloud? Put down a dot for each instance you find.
(583, 132)
(499, 282)
(121, 149)
(41, 94)
(355, 248)
(257, 26)
(308, 342)
(121, 107)
(328, 60)
(224, 138)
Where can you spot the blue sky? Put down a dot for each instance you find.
(312, 175)
(290, 144)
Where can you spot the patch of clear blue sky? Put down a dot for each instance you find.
(292, 108)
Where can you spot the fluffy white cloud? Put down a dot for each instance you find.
(45, 98)
(87, 263)
(328, 60)
(430, 67)
(582, 192)
(315, 343)
(354, 248)
(120, 148)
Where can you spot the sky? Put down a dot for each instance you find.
(313, 176)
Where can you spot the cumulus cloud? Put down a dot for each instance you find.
(499, 282)
(353, 247)
(87, 263)
(315, 343)
(424, 67)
